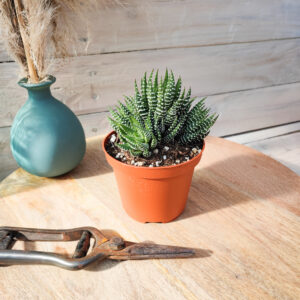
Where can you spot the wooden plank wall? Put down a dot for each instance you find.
(243, 55)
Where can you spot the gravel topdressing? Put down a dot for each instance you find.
(168, 155)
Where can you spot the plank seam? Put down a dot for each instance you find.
(194, 46)
(274, 136)
(264, 128)
(178, 47)
(253, 89)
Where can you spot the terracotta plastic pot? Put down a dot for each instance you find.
(155, 194)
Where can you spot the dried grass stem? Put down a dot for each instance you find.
(33, 75)
(38, 31)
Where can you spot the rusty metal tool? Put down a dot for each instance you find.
(111, 248)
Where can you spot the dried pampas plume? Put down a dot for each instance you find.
(37, 31)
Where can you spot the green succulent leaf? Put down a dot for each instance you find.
(151, 97)
(155, 86)
(140, 104)
(177, 89)
(165, 82)
(144, 91)
(169, 92)
(161, 105)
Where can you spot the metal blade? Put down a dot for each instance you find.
(149, 251)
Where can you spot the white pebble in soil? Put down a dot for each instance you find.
(177, 161)
(140, 163)
(187, 158)
(165, 157)
(155, 151)
(166, 148)
(132, 162)
(151, 166)
(195, 150)
(113, 138)
(157, 163)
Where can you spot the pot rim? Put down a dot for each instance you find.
(183, 164)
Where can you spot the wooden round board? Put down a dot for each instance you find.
(242, 215)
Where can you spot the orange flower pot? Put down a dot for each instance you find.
(157, 194)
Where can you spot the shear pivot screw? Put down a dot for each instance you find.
(116, 243)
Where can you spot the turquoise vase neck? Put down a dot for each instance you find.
(38, 91)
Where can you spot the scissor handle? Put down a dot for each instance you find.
(79, 260)
(115, 248)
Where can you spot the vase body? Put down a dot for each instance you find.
(153, 194)
(47, 139)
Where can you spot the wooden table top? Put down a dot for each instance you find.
(242, 215)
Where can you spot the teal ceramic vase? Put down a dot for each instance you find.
(47, 138)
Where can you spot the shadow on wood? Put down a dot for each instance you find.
(239, 179)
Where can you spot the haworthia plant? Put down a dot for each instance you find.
(160, 113)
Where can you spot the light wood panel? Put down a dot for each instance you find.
(94, 83)
(242, 215)
(95, 124)
(255, 109)
(149, 24)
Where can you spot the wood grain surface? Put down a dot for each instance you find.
(242, 215)
(151, 24)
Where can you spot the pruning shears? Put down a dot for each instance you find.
(114, 248)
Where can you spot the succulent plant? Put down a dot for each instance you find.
(160, 113)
